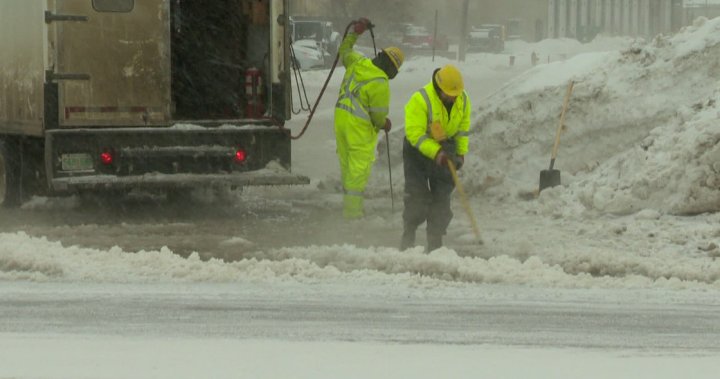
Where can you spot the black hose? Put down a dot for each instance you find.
(322, 91)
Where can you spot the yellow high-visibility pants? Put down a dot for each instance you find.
(356, 153)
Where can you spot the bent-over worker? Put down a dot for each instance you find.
(437, 122)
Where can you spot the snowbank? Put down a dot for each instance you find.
(640, 129)
(35, 259)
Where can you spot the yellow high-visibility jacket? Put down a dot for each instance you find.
(364, 99)
(425, 108)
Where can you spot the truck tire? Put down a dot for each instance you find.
(9, 176)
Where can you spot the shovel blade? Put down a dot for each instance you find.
(549, 178)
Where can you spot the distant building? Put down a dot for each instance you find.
(701, 8)
(583, 19)
(534, 20)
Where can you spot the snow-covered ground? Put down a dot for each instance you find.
(636, 219)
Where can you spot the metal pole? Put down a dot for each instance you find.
(435, 34)
(463, 31)
(387, 138)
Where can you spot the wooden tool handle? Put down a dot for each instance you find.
(562, 120)
(464, 200)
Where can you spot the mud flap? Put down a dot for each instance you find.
(10, 191)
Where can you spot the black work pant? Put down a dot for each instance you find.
(428, 188)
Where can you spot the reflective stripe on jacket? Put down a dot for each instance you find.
(424, 108)
(365, 92)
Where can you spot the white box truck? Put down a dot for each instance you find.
(114, 95)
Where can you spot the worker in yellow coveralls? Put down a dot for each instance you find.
(360, 113)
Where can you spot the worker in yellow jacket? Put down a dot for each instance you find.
(360, 113)
(437, 122)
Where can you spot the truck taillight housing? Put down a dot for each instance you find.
(240, 156)
(106, 158)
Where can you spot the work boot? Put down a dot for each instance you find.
(353, 207)
(408, 239)
(434, 242)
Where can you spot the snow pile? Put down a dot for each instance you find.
(675, 169)
(639, 128)
(36, 259)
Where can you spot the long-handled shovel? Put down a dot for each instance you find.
(551, 177)
(464, 201)
(438, 134)
(392, 195)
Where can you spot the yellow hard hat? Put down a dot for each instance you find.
(450, 81)
(396, 56)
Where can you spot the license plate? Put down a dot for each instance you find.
(76, 162)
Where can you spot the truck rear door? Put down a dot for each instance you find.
(110, 60)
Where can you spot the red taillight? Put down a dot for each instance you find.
(240, 156)
(106, 158)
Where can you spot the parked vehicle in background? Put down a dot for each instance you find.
(319, 30)
(486, 38)
(392, 34)
(417, 37)
(308, 54)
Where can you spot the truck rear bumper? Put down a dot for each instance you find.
(167, 181)
(162, 158)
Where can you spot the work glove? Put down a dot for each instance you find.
(388, 125)
(441, 159)
(361, 25)
(459, 160)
